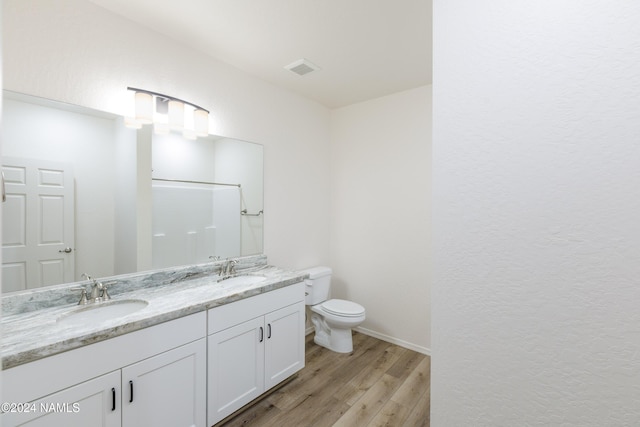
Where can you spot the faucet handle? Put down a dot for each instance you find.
(232, 266)
(105, 294)
(83, 296)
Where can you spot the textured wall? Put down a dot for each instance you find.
(381, 212)
(536, 295)
(77, 52)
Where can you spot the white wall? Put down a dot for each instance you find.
(76, 52)
(536, 289)
(381, 215)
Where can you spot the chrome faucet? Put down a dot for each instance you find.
(228, 268)
(83, 296)
(98, 290)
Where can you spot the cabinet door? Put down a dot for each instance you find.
(236, 368)
(166, 390)
(284, 345)
(92, 403)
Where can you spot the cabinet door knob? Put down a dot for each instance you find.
(268, 330)
(113, 399)
(261, 334)
(131, 391)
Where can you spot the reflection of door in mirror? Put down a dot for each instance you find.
(38, 217)
(88, 140)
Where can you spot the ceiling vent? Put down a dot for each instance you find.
(302, 67)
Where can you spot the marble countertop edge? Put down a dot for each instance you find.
(31, 336)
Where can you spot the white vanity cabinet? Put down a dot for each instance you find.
(253, 344)
(166, 390)
(155, 376)
(92, 403)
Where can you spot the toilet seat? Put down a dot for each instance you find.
(343, 308)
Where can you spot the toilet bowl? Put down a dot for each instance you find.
(332, 319)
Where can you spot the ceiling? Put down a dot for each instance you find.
(365, 48)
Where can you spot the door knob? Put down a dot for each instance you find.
(66, 250)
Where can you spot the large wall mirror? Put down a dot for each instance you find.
(85, 194)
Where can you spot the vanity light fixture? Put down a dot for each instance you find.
(167, 113)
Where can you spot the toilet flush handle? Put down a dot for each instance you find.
(307, 284)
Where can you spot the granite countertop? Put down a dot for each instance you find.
(32, 335)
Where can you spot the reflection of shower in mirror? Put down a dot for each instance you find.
(193, 222)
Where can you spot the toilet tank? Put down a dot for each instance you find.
(318, 284)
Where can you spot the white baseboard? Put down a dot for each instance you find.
(386, 338)
(392, 340)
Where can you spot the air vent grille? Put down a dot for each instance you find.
(302, 67)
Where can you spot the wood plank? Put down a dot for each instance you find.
(391, 414)
(366, 378)
(329, 371)
(256, 415)
(360, 360)
(407, 363)
(420, 416)
(311, 379)
(418, 380)
(378, 384)
(322, 410)
(370, 403)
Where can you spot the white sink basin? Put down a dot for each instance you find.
(242, 280)
(100, 312)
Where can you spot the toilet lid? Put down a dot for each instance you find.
(340, 307)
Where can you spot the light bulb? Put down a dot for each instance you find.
(201, 122)
(144, 108)
(176, 115)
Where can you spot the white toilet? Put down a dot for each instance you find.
(331, 318)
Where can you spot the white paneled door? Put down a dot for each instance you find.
(37, 224)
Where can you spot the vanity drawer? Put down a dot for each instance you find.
(228, 315)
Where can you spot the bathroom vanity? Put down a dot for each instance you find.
(197, 351)
(249, 354)
(117, 381)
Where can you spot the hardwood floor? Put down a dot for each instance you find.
(378, 384)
